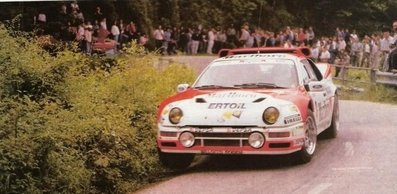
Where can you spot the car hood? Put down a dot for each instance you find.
(228, 107)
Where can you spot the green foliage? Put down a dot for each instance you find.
(70, 123)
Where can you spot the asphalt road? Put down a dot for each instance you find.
(362, 159)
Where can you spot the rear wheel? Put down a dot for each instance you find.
(310, 140)
(332, 130)
(175, 161)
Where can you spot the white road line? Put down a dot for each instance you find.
(349, 149)
(353, 168)
(321, 187)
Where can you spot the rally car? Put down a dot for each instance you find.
(250, 101)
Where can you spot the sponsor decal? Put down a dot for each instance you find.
(232, 95)
(202, 130)
(165, 111)
(162, 120)
(292, 119)
(237, 113)
(293, 109)
(229, 114)
(299, 142)
(324, 109)
(239, 130)
(220, 152)
(221, 120)
(298, 131)
(226, 106)
(215, 130)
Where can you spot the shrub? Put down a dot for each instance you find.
(72, 123)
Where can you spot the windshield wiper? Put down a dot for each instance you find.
(215, 87)
(259, 85)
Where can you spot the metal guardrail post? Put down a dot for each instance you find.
(373, 75)
(343, 69)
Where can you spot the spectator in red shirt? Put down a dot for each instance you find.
(301, 36)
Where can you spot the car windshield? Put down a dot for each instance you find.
(249, 75)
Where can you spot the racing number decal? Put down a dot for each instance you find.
(324, 109)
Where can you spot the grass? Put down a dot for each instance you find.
(365, 91)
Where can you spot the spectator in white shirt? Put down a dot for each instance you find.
(324, 55)
(115, 31)
(315, 52)
(211, 40)
(385, 44)
(88, 37)
(341, 44)
(245, 35)
(103, 24)
(158, 35)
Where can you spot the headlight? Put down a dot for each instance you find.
(186, 139)
(271, 115)
(175, 115)
(256, 140)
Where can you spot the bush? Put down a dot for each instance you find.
(71, 123)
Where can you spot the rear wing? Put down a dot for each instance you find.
(301, 51)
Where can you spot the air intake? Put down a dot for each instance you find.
(200, 100)
(259, 100)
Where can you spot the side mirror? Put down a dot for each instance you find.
(223, 52)
(315, 86)
(182, 87)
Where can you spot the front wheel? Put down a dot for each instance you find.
(310, 139)
(175, 161)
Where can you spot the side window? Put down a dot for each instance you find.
(309, 70)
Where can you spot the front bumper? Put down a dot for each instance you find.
(231, 140)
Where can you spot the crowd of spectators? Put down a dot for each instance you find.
(73, 26)
(344, 47)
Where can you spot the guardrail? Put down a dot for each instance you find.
(376, 76)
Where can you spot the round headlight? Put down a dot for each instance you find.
(175, 115)
(186, 139)
(256, 140)
(271, 115)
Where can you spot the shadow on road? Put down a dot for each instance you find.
(245, 162)
(248, 162)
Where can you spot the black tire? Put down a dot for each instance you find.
(175, 161)
(310, 141)
(332, 130)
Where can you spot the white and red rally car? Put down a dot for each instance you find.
(251, 101)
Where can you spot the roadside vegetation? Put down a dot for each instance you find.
(71, 123)
(365, 91)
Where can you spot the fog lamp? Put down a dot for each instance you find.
(256, 140)
(186, 139)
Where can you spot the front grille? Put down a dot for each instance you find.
(168, 134)
(221, 139)
(222, 135)
(279, 145)
(213, 142)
